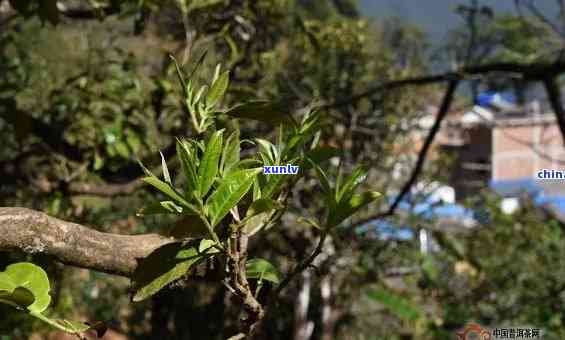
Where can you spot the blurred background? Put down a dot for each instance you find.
(465, 233)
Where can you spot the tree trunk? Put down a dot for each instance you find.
(303, 328)
(328, 315)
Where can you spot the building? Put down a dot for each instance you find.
(504, 146)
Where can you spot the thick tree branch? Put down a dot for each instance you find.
(554, 96)
(34, 232)
(530, 71)
(81, 13)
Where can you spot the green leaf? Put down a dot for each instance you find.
(168, 190)
(163, 266)
(180, 75)
(347, 208)
(256, 189)
(274, 184)
(230, 154)
(6, 283)
(18, 297)
(164, 207)
(32, 279)
(98, 162)
(398, 305)
(208, 168)
(146, 171)
(133, 141)
(324, 181)
(309, 122)
(262, 270)
(261, 110)
(243, 164)
(188, 164)
(310, 222)
(216, 73)
(26, 286)
(230, 191)
(166, 174)
(199, 94)
(262, 205)
(218, 89)
(207, 246)
(347, 190)
(294, 143)
(268, 151)
(252, 224)
(122, 149)
(258, 215)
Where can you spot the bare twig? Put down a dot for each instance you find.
(442, 113)
(304, 264)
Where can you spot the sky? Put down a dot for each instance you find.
(436, 16)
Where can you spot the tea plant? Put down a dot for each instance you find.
(222, 199)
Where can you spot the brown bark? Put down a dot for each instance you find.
(31, 232)
(240, 286)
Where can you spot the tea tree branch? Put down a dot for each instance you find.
(32, 232)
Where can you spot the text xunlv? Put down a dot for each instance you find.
(280, 169)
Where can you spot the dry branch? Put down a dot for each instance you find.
(442, 113)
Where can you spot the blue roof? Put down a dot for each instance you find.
(515, 187)
(389, 230)
(557, 202)
(429, 209)
(487, 98)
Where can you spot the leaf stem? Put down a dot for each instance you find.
(211, 231)
(53, 323)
